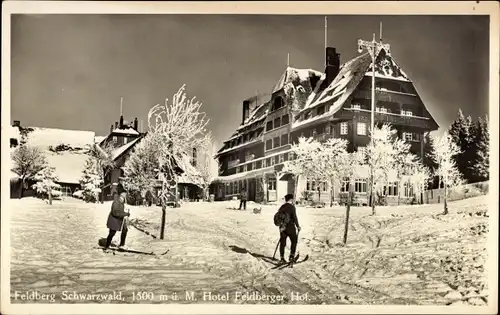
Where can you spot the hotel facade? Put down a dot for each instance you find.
(333, 103)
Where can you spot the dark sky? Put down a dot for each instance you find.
(69, 71)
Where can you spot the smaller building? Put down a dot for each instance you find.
(65, 150)
(124, 137)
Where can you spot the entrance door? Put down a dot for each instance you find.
(252, 189)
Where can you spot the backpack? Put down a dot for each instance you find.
(281, 218)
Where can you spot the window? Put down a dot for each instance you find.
(314, 133)
(328, 129)
(344, 186)
(264, 164)
(408, 190)
(276, 142)
(344, 128)
(269, 125)
(360, 186)
(381, 109)
(115, 139)
(391, 189)
(361, 129)
(285, 156)
(356, 106)
(285, 120)
(278, 103)
(406, 113)
(407, 136)
(271, 161)
(284, 139)
(269, 144)
(277, 122)
(271, 184)
(238, 169)
(125, 139)
(307, 115)
(281, 158)
(254, 165)
(321, 110)
(245, 168)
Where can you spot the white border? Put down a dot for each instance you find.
(303, 8)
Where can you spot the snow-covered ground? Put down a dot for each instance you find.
(404, 255)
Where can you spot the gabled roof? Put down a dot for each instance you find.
(118, 152)
(350, 75)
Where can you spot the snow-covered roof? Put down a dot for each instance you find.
(52, 137)
(299, 76)
(98, 139)
(348, 78)
(126, 131)
(244, 175)
(68, 162)
(116, 153)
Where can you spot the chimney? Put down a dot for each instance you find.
(121, 121)
(332, 64)
(136, 124)
(17, 123)
(246, 110)
(116, 125)
(111, 128)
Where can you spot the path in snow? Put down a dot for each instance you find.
(404, 255)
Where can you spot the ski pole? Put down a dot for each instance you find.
(276, 249)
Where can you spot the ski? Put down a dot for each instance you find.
(124, 250)
(292, 263)
(282, 265)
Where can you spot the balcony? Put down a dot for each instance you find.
(364, 115)
(389, 96)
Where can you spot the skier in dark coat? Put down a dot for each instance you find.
(243, 199)
(287, 230)
(116, 218)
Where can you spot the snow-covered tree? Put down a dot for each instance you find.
(419, 176)
(443, 154)
(461, 132)
(90, 181)
(103, 160)
(141, 168)
(207, 165)
(334, 156)
(46, 183)
(27, 162)
(176, 128)
(480, 167)
(382, 156)
(303, 160)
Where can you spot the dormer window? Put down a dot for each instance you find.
(278, 103)
(115, 139)
(356, 106)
